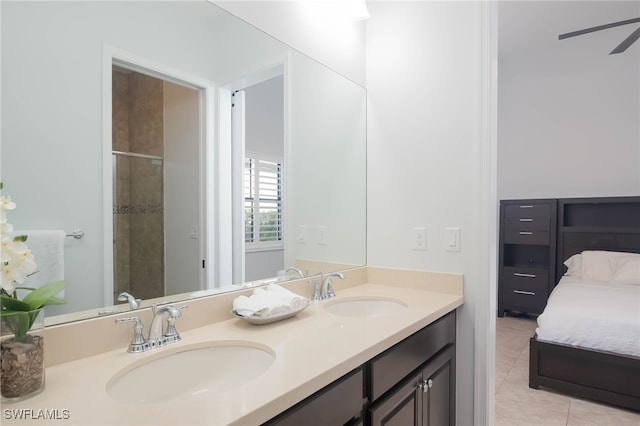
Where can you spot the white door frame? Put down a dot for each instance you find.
(111, 55)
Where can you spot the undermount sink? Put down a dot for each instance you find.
(365, 307)
(190, 371)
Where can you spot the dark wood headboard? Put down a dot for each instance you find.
(611, 223)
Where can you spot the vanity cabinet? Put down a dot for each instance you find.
(426, 398)
(411, 383)
(527, 255)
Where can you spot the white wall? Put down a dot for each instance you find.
(424, 151)
(569, 113)
(315, 28)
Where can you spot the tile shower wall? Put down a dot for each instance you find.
(138, 190)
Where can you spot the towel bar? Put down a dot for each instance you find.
(77, 234)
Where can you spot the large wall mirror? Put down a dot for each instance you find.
(195, 153)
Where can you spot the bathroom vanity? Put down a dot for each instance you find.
(411, 383)
(381, 352)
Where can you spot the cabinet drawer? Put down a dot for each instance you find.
(393, 365)
(532, 280)
(336, 404)
(512, 236)
(524, 300)
(531, 223)
(527, 210)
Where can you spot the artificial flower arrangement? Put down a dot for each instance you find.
(17, 265)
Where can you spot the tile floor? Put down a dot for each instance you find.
(517, 405)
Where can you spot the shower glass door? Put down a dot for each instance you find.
(138, 225)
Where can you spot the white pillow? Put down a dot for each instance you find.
(597, 265)
(574, 266)
(627, 269)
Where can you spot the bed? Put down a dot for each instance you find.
(587, 342)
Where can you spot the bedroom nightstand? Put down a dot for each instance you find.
(526, 273)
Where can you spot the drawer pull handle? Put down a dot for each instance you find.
(526, 233)
(528, 293)
(526, 220)
(518, 274)
(526, 207)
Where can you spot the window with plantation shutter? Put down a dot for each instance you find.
(262, 203)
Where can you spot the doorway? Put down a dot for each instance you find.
(258, 139)
(156, 178)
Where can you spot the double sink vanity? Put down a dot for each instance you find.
(381, 351)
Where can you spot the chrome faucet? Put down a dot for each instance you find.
(327, 288)
(133, 302)
(296, 270)
(157, 338)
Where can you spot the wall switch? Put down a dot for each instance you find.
(302, 234)
(322, 235)
(419, 238)
(193, 234)
(452, 239)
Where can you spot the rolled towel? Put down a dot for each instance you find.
(295, 301)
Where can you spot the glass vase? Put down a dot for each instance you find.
(22, 355)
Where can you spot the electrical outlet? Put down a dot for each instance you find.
(419, 238)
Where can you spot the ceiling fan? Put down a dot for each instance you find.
(622, 46)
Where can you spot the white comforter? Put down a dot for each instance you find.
(593, 314)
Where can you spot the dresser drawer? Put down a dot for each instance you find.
(514, 236)
(528, 223)
(525, 210)
(526, 279)
(396, 363)
(524, 300)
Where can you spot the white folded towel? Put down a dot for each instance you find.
(268, 302)
(47, 248)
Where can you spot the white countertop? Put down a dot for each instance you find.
(311, 350)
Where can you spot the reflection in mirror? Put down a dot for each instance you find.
(58, 153)
(154, 122)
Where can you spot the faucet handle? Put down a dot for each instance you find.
(316, 282)
(138, 343)
(171, 334)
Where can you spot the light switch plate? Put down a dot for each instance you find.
(452, 239)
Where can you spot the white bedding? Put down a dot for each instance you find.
(593, 314)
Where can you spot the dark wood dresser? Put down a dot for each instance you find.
(527, 246)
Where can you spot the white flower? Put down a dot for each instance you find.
(15, 257)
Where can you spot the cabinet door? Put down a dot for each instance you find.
(438, 390)
(402, 407)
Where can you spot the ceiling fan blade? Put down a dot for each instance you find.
(598, 28)
(626, 42)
